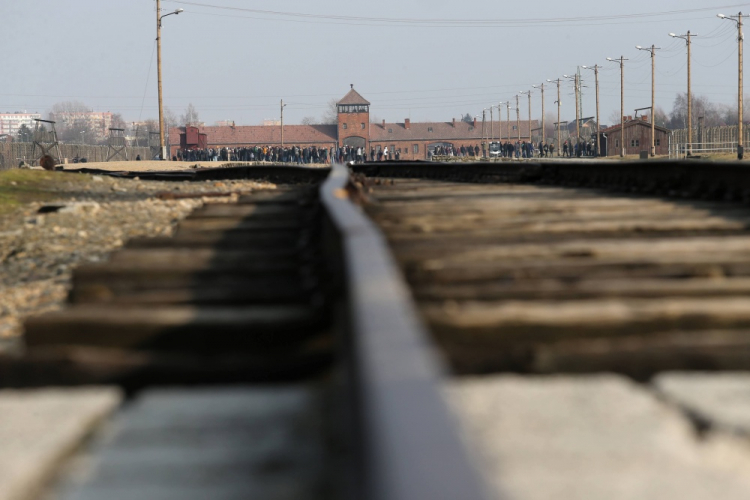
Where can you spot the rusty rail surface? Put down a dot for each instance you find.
(411, 448)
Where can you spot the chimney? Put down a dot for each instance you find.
(454, 123)
(475, 122)
(383, 124)
(407, 123)
(644, 118)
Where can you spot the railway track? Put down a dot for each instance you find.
(541, 288)
(281, 329)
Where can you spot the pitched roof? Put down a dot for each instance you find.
(631, 123)
(262, 135)
(440, 131)
(354, 98)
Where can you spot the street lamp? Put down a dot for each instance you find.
(558, 113)
(740, 39)
(528, 93)
(159, 17)
(282, 123)
(541, 87)
(621, 62)
(652, 50)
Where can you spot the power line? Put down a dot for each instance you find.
(442, 22)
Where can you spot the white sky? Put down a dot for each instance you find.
(238, 64)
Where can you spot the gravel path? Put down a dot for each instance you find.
(42, 242)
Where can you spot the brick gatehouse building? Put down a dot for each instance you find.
(412, 140)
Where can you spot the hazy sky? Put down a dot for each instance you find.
(424, 59)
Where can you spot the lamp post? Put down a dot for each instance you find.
(621, 62)
(527, 93)
(492, 125)
(159, 17)
(282, 123)
(740, 39)
(596, 79)
(652, 50)
(558, 114)
(518, 119)
(541, 87)
(687, 37)
(575, 92)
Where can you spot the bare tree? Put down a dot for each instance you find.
(170, 119)
(68, 107)
(331, 114)
(308, 120)
(117, 121)
(190, 117)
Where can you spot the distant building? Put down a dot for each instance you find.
(98, 122)
(413, 141)
(11, 122)
(637, 138)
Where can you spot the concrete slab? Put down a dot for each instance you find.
(721, 400)
(217, 443)
(584, 438)
(40, 428)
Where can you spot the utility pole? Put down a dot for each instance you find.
(492, 126)
(541, 87)
(652, 50)
(578, 121)
(621, 61)
(740, 41)
(596, 67)
(687, 37)
(527, 93)
(518, 120)
(162, 147)
(282, 122)
(484, 111)
(507, 118)
(159, 17)
(557, 146)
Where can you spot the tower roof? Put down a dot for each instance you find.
(354, 98)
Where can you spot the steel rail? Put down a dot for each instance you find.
(411, 448)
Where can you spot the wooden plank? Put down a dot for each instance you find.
(132, 370)
(176, 328)
(505, 323)
(213, 293)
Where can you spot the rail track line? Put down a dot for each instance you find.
(297, 300)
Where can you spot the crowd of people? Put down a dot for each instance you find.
(517, 149)
(314, 154)
(275, 154)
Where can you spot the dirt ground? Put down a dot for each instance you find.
(143, 166)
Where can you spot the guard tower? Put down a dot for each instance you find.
(117, 145)
(353, 120)
(45, 141)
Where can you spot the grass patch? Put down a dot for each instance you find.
(19, 186)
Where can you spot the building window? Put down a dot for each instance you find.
(658, 142)
(515, 128)
(362, 126)
(390, 130)
(343, 126)
(635, 143)
(429, 129)
(415, 148)
(617, 143)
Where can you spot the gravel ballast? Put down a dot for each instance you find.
(83, 218)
